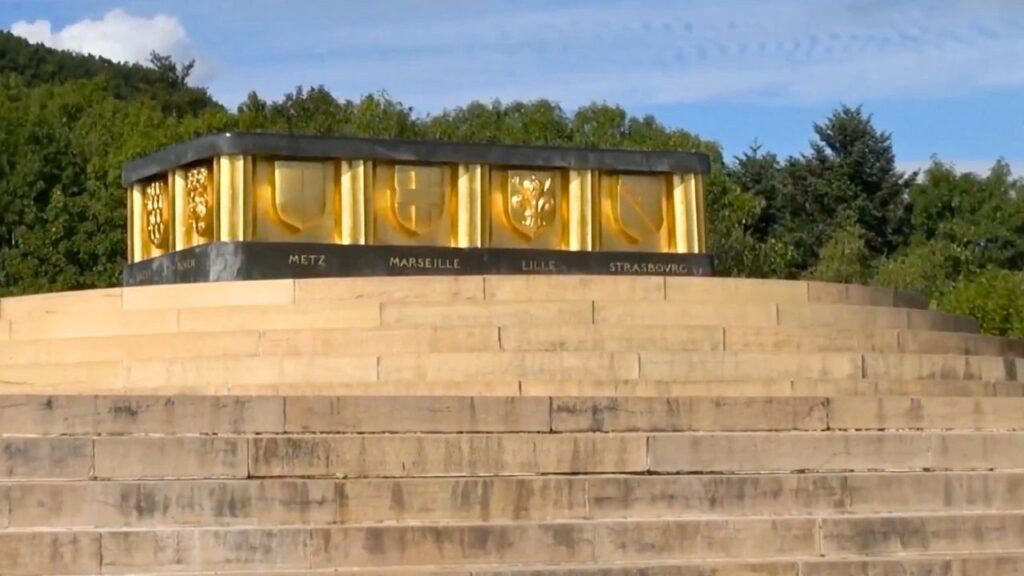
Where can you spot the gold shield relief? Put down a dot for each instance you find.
(414, 204)
(195, 198)
(528, 209)
(156, 222)
(634, 212)
(296, 201)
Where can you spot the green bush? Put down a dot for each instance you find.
(995, 297)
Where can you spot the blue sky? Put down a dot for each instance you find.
(946, 77)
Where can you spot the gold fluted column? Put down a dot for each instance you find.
(581, 210)
(179, 196)
(234, 198)
(469, 229)
(699, 215)
(353, 202)
(136, 223)
(681, 183)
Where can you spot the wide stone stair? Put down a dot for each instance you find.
(507, 425)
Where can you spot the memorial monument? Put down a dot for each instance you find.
(243, 206)
(339, 356)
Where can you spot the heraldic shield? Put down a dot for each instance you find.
(300, 192)
(638, 205)
(530, 202)
(418, 197)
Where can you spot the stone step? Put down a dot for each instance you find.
(499, 454)
(521, 544)
(134, 415)
(295, 502)
(566, 338)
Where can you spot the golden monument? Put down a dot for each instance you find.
(313, 192)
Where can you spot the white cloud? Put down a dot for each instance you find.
(118, 36)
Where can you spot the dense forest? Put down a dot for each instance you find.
(841, 211)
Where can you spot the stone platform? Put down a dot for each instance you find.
(491, 425)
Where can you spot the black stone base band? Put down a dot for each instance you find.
(226, 261)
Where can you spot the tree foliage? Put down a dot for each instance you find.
(841, 211)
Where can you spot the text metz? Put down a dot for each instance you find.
(318, 260)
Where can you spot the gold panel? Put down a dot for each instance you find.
(233, 212)
(635, 212)
(470, 223)
(153, 219)
(296, 201)
(414, 205)
(194, 206)
(581, 204)
(528, 209)
(355, 180)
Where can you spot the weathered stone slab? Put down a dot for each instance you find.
(886, 413)
(505, 365)
(210, 295)
(361, 456)
(44, 553)
(726, 366)
(212, 550)
(105, 300)
(171, 457)
(922, 534)
(394, 289)
(119, 348)
(452, 544)
(1009, 565)
(705, 539)
(904, 492)
(639, 497)
(164, 504)
(93, 323)
(611, 338)
(45, 414)
(683, 313)
(303, 315)
(232, 372)
(354, 341)
(731, 290)
(940, 321)
(993, 491)
(809, 340)
(977, 450)
(925, 342)
(785, 452)
(462, 499)
(655, 388)
(540, 288)
(900, 567)
(842, 316)
(485, 313)
(832, 293)
(57, 458)
(417, 414)
(74, 378)
(687, 414)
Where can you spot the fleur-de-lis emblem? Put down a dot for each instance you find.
(532, 203)
(154, 199)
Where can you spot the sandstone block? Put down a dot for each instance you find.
(900, 567)
(687, 414)
(5, 330)
(505, 365)
(188, 414)
(695, 568)
(119, 348)
(303, 315)
(246, 371)
(39, 414)
(842, 316)
(5, 506)
(940, 321)
(362, 456)
(659, 388)
(462, 499)
(164, 504)
(417, 414)
(105, 300)
(809, 340)
(44, 553)
(832, 293)
(786, 452)
(211, 550)
(727, 366)
(639, 497)
(57, 458)
(1008, 565)
(93, 323)
(977, 450)
(486, 313)
(611, 338)
(907, 299)
(209, 295)
(705, 539)
(922, 534)
(919, 367)
(993, 491)
(345, 342)
(683, 313)
(886, 413)
(74, 378)
(419, 289)
(171, 457)
(534, 288)
(924, 342)
(731, 290)
(452, 544)
(904, 492)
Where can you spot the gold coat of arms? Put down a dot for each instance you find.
(418, 197)
(300, 193)
(530, 203)
(638, 206)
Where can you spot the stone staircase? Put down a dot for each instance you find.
(507, 425)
